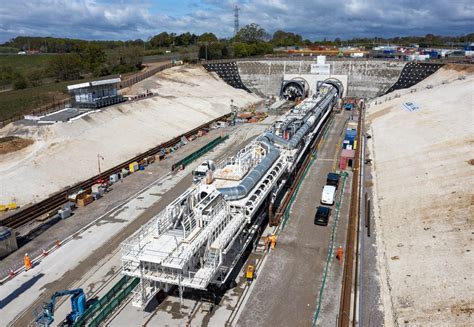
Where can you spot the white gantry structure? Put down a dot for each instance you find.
(198, 239)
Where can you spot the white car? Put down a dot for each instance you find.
(329, 193)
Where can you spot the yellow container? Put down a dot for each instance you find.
(133, 167)
(12, 206)
(249, 273)
(355, 144)
(3, 208)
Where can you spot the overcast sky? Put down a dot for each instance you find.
(314, 19)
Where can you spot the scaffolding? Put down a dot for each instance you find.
(197, 240)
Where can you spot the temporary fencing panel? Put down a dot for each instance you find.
(100, 310)
(196, 154)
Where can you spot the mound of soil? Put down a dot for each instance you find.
(13, 143)
(460, 68)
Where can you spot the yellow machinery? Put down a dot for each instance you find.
(250, 273)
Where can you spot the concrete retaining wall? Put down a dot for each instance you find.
(364, 78)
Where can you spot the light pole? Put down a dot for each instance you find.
(99, 157)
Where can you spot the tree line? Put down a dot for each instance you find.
(249, 34)
(76, 58)
(88, 60)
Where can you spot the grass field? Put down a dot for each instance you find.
(20, 102)
(24, 63)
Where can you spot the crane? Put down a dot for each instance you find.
(78, 306)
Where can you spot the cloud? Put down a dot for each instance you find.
(314, 19)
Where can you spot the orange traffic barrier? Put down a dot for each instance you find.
(27, 262)
(273, 241)
(339, 254)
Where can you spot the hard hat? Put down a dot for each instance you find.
(26, 254)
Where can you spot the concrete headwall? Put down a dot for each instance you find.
(368, 78)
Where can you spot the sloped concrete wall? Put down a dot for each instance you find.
(365, 78)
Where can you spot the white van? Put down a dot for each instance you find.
(329, 193)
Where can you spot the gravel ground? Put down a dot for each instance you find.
(423, 202)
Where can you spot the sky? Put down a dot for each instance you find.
(313, 19)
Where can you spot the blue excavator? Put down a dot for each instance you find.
(78, 306)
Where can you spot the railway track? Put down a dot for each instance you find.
(55, 201)
(348, 278)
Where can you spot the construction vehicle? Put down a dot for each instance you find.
(78, 306)
(201, 171)
(348, 106)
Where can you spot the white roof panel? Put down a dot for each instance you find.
(93, 83)
(78, 86)
(106, 81)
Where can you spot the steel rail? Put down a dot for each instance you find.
(344, 318)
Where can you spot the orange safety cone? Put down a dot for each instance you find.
(339, 254)
(11, 274)
(58, 243)
(27, 262)
(44, 253)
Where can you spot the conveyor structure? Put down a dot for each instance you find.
(198, 239)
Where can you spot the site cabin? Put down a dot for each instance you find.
(96, 94)
(347, 159)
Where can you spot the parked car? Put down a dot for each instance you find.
(329, 193)
(332, 179)
(322, 216)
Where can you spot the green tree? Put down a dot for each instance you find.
(36, 75)
(251, 33)
(240, 50)
(184, 39)
(284, 39)
(20, 82)
(66, 66)
(207, 37)
(92, 56)
(161, 40)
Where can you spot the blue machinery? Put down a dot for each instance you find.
(78, 307)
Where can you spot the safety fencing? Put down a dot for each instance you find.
(100, 310)
(129, 81)
(196, 154)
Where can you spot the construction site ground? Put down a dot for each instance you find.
(288, 286)
(297, 263)
(91, 258)
(65, 153)
(422, 188)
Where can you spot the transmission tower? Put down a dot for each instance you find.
(236, 20)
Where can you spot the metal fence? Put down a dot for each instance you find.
(282, 58)
(196, 154)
